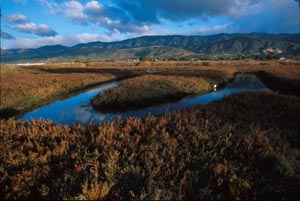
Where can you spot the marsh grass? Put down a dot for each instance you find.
(149, 90)
(233, 149)
(245, 147)
(24, 88)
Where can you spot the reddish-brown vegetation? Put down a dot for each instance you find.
(24, 88)
(149, 90)
(244, 147)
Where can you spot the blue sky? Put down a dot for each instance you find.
(35, 23)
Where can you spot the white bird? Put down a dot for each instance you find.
(215, 87)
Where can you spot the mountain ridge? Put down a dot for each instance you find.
(169, 45)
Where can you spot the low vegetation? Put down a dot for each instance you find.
(244, 147)
(289, 86)
(24, 88)
(149, 90)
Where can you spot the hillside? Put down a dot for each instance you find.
(174, 46)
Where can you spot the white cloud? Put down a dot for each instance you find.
(94, 9)
(116, 35)
(74, 10)
(32, 28)
(94, 5)
(96, 13)
(135, 17)
(129, 28)
(67, 40)
(16, 18)
(22, 24)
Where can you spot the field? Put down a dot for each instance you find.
(149, 90)
(246, 146)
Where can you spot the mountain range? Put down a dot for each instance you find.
(164, 47)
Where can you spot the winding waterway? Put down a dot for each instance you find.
(78, 109)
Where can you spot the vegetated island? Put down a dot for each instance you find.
(148, 90)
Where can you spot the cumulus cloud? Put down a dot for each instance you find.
(16, 18)
(67, 40)
(139, 16)
(267, 13)
(32, 28)
(7, 36)
(22, 24)
(114, 19)
(74, 10)
(95, 13)
(120, 19)
(94, 6)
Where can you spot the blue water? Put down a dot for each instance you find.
(78, 109)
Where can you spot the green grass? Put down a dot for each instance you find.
(245, 147)
(149, 90)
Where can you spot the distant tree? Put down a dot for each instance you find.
(145, 58)
(183, 59)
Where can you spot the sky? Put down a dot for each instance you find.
(36, 23)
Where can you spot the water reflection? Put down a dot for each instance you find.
(78, 109)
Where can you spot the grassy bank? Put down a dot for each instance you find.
(289, 86)
(24, 88)
(149, 90)
(244, 147)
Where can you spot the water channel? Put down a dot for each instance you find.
(78, 109)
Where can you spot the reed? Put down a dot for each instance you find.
(244, 147)
(24, 88)
(149, 90)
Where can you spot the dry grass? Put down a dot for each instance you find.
(288, 70)
(245, 147)
(228, 150)
(26, 88)
(23, 88)
(149, 90)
